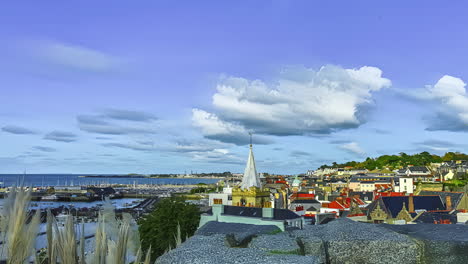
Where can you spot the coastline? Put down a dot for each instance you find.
(146, 177)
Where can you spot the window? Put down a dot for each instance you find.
(217, 201)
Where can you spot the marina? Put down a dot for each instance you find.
(46, 180)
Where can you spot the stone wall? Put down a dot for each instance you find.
(340, 241)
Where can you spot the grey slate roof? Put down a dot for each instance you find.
(305, 201)
(393, 204)
(418, 169)
(214, 227)
(278, 214)
(314, 207)
(430, 217)
(456, 197)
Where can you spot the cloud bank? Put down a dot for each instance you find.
(44, 149)
(61, 136)
(302, 102)
(17, 130)
(451, 104)
(118, 122)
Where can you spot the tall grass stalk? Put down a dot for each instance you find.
(148, 256)
(116, 241)
(51, 252)
(18, 226)
(65, 240)
(178, 236)
(82, 244)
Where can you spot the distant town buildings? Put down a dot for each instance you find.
(407, 195)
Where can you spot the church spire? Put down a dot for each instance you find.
(250, 178)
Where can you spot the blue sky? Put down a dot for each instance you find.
(169, 86)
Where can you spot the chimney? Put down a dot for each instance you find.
(218, 209)
(410, 204)
(448, 202)
(267, 212)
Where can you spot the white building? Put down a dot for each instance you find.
(404, 184)
(367, 187)
(224, 197)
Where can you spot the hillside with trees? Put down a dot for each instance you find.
(399, 161)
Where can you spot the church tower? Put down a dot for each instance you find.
(250, 192)
(250, 178)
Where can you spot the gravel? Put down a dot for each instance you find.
(280, 242)
(211, 250)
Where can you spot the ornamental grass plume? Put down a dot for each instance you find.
(82, 244)
(100, 243)
(51, 252)
(116, 241)
(18, 227)
(117, 250)
(148, 256)
(178, 236)
(65, 242)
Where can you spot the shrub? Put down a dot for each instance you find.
(172, 221)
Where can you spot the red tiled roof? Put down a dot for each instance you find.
(302, 196)
(344, 203)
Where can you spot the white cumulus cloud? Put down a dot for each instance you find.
(213, 127)
(451, 104)
(302, 101)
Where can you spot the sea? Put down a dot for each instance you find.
(38, 180)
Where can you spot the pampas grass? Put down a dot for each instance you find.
(65, 242)
(51, 257)
(116, 241)
(178, 236)
(18, 227)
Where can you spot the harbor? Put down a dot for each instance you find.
(85, 202)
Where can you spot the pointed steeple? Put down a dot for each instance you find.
(250, 174)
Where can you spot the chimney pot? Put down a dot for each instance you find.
(448, 202)
(410, 204)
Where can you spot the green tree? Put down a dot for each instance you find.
(159, 228)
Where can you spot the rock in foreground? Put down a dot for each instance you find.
(340, 241)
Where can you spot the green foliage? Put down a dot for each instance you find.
(202, 190)
(399, 161)
(274, 232)
(456, 183)
(454, 156)
(159, 229)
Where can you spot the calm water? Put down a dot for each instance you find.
(69, 179)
